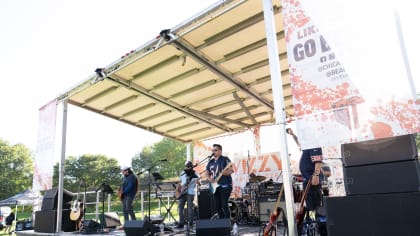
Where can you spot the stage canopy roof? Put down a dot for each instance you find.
(207, 76)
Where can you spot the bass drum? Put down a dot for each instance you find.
(233, 210)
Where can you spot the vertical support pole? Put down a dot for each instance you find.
(280, 113)
(142, 204)
(188, 147)
(61, 169)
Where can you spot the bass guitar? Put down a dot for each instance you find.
(268, 229)
(300, 213)
(214, 185)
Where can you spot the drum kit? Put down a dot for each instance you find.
(245, 210)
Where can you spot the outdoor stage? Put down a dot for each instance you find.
(246, 230)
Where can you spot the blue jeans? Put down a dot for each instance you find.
(181, 204)
(127, 203)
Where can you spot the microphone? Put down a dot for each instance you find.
(164, 160)
(212, 154)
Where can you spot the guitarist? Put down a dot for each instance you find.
(217, 168)
(129, 188)
(189, 180)
(310, 167)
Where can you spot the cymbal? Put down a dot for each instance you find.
(257, 178)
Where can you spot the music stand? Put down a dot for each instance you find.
(157, 176)
(105, 188)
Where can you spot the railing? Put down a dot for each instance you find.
(142, 197)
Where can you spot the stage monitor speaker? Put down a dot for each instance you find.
(46, 221)
(392, 149)
(394, 177)
(111, 220)
(266, 206)
(375, 214)
(138, 228)
(91, 226)
(206, 205)
(50, 199)
(219, 227)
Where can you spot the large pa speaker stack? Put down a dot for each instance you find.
(46, 218)
(46, 221)
(382, 182)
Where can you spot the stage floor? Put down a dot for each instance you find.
(244, 230)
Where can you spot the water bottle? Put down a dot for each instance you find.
(235, 229)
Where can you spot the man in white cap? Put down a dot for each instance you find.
(128, 192)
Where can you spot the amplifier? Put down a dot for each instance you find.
(392, 149)
(269, 187)
(266, 206)
(393, 177)
(206, 205)
(374, 214)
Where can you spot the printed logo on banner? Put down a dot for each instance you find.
(329, 106)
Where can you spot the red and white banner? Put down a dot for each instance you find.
(268, 165)
(347, 71)
(44, 154)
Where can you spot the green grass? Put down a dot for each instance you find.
(116, 206)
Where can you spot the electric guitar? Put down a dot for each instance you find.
(214, 185)
(268, 229)
(76, 208)
(301, 211)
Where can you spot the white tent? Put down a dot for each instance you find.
(25, 198)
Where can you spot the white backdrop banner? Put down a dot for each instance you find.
(349, 79)
(44, 154)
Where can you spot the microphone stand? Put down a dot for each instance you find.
(149, 179)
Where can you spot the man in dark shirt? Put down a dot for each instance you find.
(310, 167)
(129, 189)
(220, 168)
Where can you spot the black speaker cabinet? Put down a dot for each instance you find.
(111, 220)
(138, 228)
(397, 148)
(266, 206)
(50, 199)
(206, 205)
(219, 227)
(46, 221)
(393, 177)
(374, 215)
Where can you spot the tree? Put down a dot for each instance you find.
(167, 149)
(17, 169)
(93, 170)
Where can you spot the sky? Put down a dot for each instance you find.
(48, 46)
